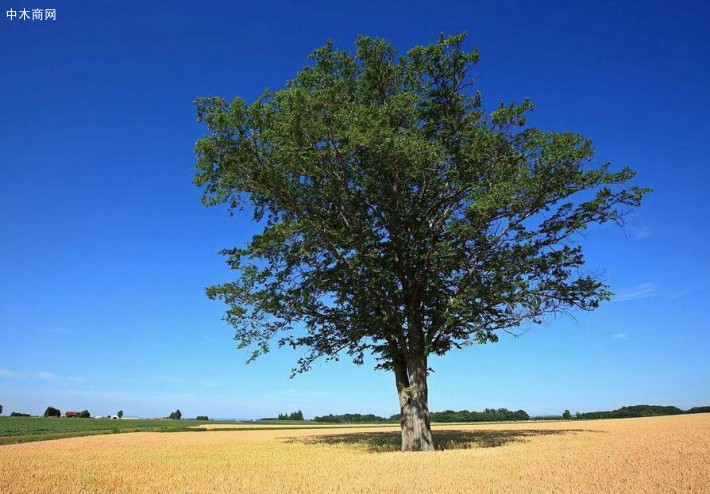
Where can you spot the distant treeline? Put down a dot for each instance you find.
(505, 415)
(640, 411)
(487, 415)
(354, 418)
(297, 415)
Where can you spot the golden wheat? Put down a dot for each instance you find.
(654, 455)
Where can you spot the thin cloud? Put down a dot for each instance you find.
(133, 397)
(640, 232)
(43, 375)
(618, 336)
(52, 375)
(678, 293)
(648, 290)
(642, 290)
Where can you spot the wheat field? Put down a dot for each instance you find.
(654, 455)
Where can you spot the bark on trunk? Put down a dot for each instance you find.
(414, 406)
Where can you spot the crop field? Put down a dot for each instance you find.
(659, 454)
(24, 429)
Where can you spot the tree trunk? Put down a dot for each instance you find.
(414, 406)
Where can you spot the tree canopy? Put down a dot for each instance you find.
(297, 415)
(400, 217)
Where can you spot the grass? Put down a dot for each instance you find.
(659, 454)
(26, 429)
(15, 430)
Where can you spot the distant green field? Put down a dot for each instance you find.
(24, 429)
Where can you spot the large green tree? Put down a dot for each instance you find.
(400, 218)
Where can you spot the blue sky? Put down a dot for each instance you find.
(106, 249)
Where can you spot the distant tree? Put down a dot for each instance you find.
(566, 415)
(52, 412)
(488, 415)
(120, 414)
(176, 415)
(633, 411)
(354, 418)
(84, 414)
(400, 217)
(0, 409)
(297, 415)
(18, 414)
(202, 417)
(447, 416)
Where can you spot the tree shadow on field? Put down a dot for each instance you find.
(384, 442)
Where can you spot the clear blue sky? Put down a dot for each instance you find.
(106, 249)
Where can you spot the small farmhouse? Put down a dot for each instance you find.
(73, 414)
